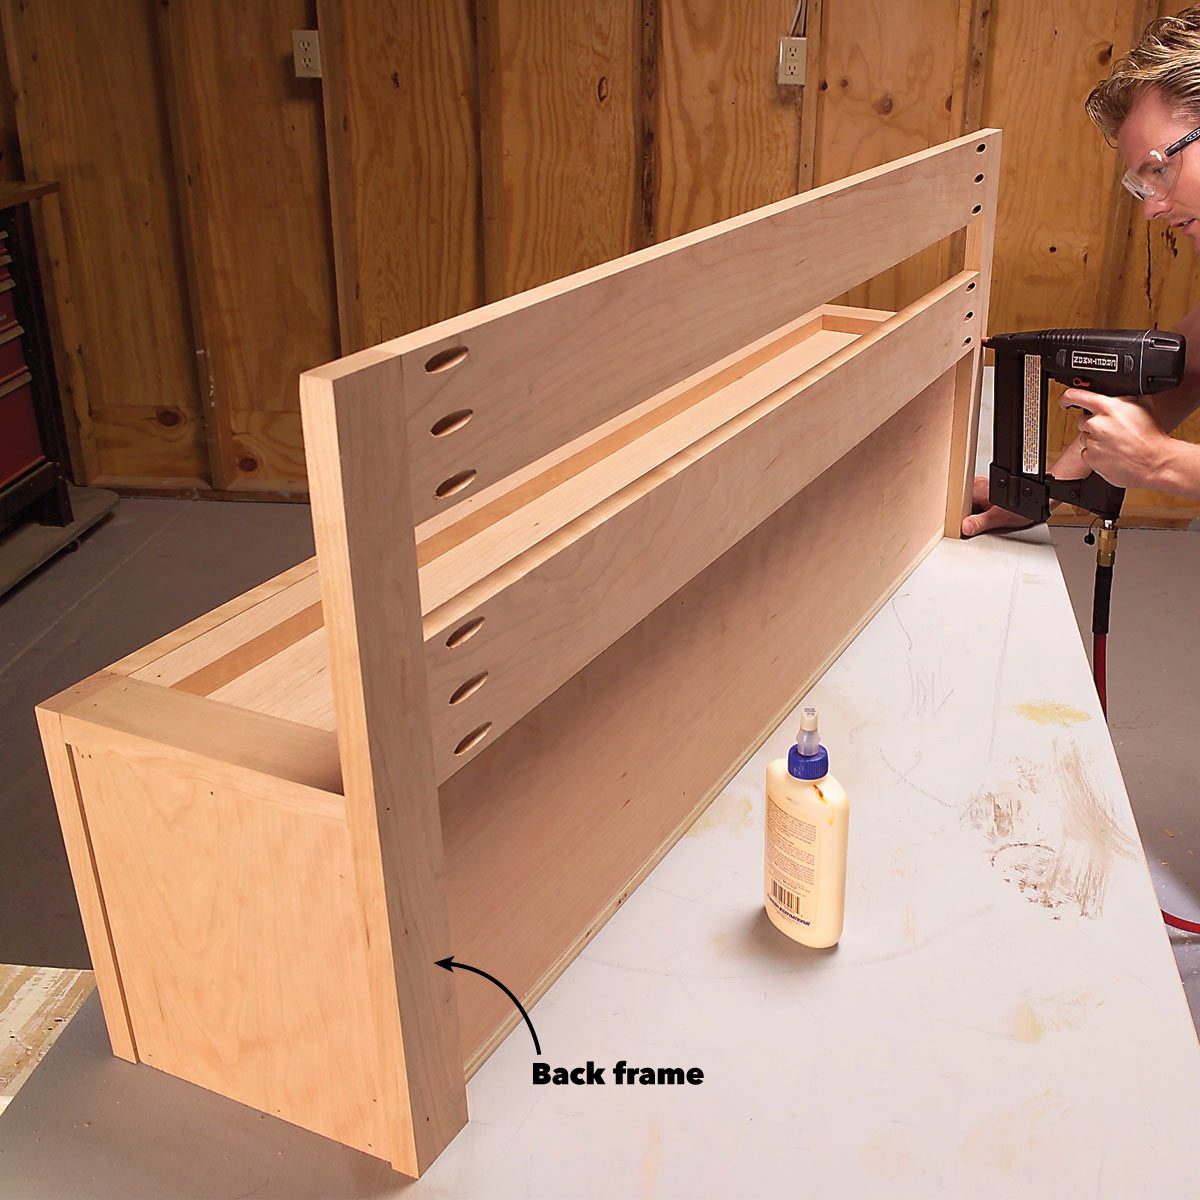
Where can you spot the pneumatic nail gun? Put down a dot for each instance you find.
(1111, 362)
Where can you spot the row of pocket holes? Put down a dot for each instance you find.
(462, 634)
(979, 179)
(445, 360)
(970, 313)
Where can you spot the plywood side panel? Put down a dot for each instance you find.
(253, 185)
(686, 702)
(90, 106)
(403, 145)
(230, 983)
(887, 89)
(727, 138)
(559, 89)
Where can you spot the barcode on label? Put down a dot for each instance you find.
(786, 899)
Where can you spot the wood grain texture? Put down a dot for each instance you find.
(231, 984)
(1124, 221)
(90, 107)
(1050, 222)
(728, 138)
(403, 145)
(150, 441)
(250, 148)
(640, 541)
(975, 252)
(887, 85)
(559, 94)
(712, 696)
(243, 747)
(11, 166)
(362, 522)
(810, 95)
(35, 1005)
(218, 616)
(616, 334)
(77, 838)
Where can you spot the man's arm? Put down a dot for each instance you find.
(1172, 408)
(1175, 406)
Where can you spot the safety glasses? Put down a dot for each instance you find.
(1155, 178)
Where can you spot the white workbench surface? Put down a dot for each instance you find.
(1003, 1017)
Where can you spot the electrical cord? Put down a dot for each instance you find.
(1100, 605)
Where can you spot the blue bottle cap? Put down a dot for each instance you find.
(808, 766)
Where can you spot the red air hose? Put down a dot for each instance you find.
(1099, 674)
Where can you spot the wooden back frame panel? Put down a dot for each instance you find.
(466, 403)
(631, 454)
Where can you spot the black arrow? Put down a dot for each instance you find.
(449, 964)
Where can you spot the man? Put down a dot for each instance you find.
(1150, 104)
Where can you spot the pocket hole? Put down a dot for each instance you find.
(455, 483)
(469, 688)
(464, 632)
(473, 738)
(970, 287)
(978, 178)
(443, 360)
(966, 341)
(981, 148)
(451, 422)
(968, 316)
(977, 209)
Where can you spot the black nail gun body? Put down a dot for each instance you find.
(1111, 362)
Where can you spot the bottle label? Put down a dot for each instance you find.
(791, 864)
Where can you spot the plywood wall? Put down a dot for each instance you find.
(249, 154)
(224, 225)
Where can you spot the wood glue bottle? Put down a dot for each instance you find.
(808, 820)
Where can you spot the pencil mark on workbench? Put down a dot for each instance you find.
(1008, 620)
(924, 687)
(1051, 712)
(903, 777)
(903, 627)
(756, 940)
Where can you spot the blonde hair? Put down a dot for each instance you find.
(1166, 60)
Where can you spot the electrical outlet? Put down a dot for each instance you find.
(793, 61)
(306, 53)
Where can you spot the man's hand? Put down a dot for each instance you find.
(1121, 438)
(990, 516)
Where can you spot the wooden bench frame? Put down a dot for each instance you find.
(579, 552)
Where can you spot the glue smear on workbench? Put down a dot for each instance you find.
(1057, 867)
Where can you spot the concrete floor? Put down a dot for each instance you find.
(157, 563)
(149, 568)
